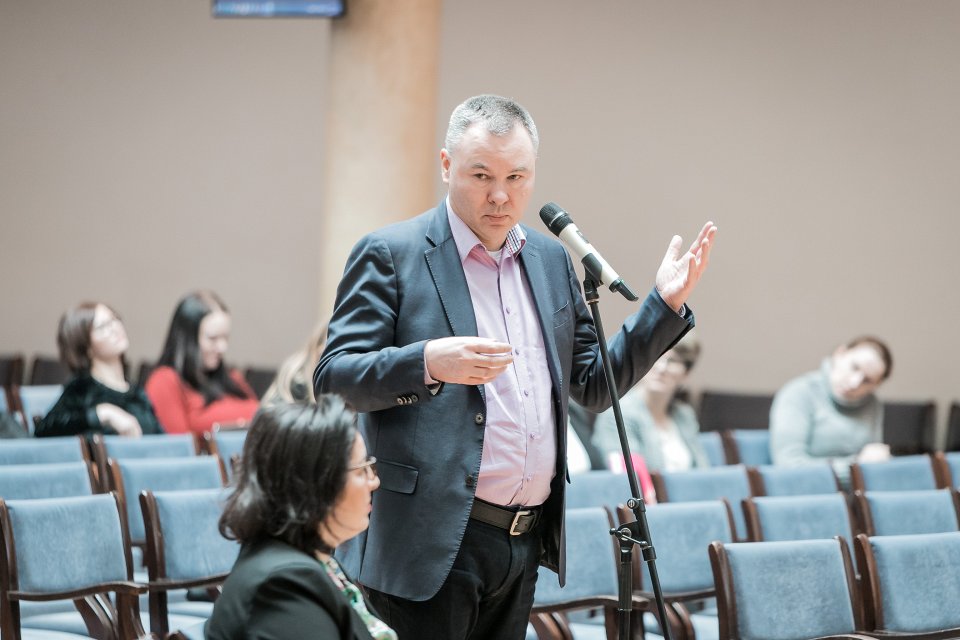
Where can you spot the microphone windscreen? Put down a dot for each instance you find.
(554, 217)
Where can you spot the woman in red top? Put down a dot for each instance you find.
(192, 389)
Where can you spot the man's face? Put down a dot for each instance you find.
(490, 179)
(856, 372)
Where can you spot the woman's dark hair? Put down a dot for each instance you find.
(293, 469)
(73, 336)
(181, 351)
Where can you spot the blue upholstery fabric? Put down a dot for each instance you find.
(164, 474)
(804, 517)
(150, 446)
(591, 563)
(55, 480)
(919, 579)
(597, 489)
(798, 481)
(230, 442)
(908, 512)
(697, 485)
(907, 473)
(681, 533)
(67, 543)
(35, 451)
(790, 590)
(193, 546)
(713, 445)
(42, 634)
(753, 445)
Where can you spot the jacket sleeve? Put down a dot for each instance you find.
(360, 361)
(71, 415)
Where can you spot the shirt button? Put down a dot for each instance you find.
(526, 393)
(470, 481)
(478, 418)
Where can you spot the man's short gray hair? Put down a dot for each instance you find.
(498, 114)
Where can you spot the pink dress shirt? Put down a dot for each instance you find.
(519, 442)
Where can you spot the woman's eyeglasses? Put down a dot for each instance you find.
(369, 467)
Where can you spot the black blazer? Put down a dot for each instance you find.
(277, 592)
(404, 285)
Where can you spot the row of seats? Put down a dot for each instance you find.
(789, 590)
(224, 445)
(168, 508)
(908, 427)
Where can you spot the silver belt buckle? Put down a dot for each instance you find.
(516, 520)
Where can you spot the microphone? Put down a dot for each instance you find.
(561, 224)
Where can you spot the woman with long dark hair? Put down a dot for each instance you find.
(99, 398)
(304, 486)
(192, 389)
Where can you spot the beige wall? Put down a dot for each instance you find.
(146, 149)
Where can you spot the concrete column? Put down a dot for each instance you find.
(382, 155)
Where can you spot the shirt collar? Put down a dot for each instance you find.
(467, 240)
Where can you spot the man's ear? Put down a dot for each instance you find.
(445, 165)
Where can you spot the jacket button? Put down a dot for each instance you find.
(414, 398)
(470, 481)
(478, 418)
(399, 399)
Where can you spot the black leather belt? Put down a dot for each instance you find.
(516, 520)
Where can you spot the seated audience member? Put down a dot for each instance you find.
(294, 381)
(661, 428)
(833, 414)
(192, 389)
(98, 399)
(304, 488)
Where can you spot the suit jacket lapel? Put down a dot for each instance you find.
(443, 260)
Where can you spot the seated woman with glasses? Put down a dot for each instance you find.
(661, 428)
(99, 398)
(305, 486)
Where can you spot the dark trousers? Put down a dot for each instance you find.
(487, 596)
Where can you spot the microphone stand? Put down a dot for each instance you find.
(636, 532)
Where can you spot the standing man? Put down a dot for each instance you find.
(460, 335)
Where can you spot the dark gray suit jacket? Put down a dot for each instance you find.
(404, 285)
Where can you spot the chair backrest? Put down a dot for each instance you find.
(259, 379)
(66, 548)
(55, 480)
(43, 450)
(911, 584)
(105, 447)
(591, 560)
(597, 489)
(747, 446)
(721, 410)
(680, 533)
(11, 370)
(946, 467)
(782, 518)
(953, 428)
(891, 513)
(906, 473)
(47, 370)
(774, 480)
(37, 400)
(183, 545)
(713, 446)
(908, 427)
(134, 475)
(784, 590)
(699, 485)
